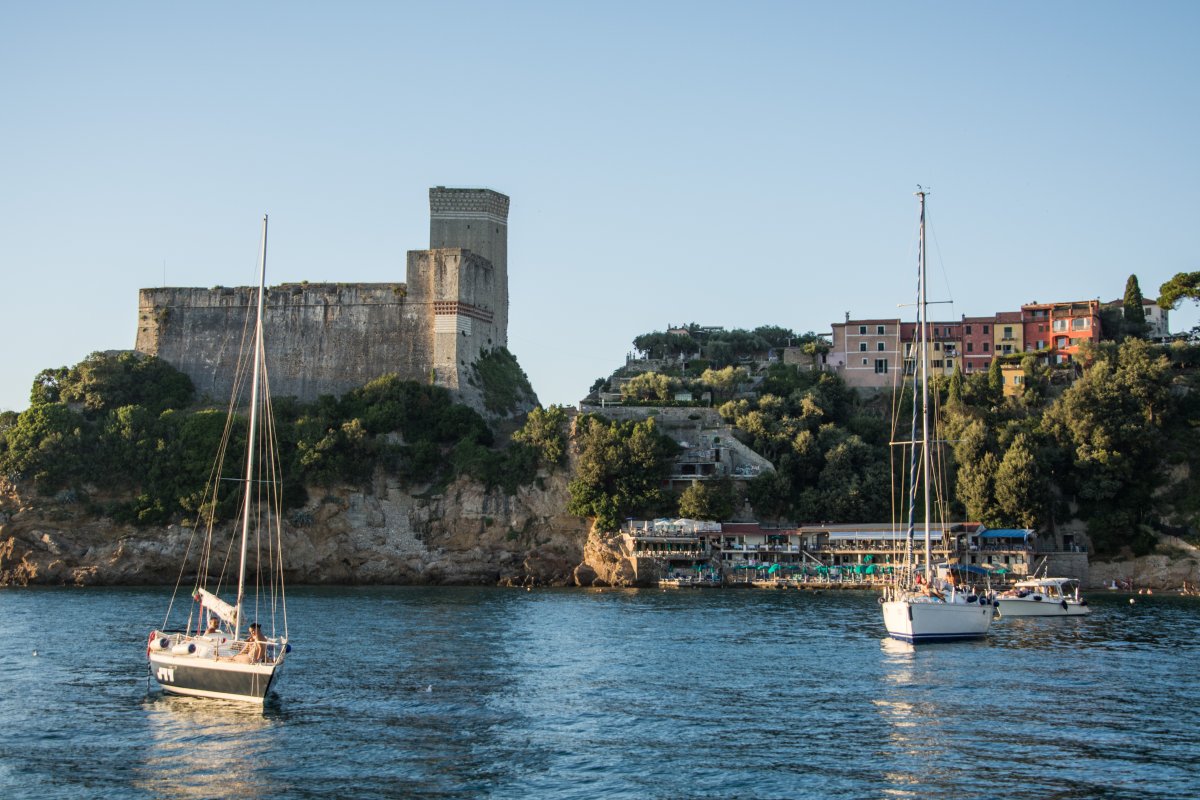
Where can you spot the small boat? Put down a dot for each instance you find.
(217, 653)
(917, 606)
(1043, 597)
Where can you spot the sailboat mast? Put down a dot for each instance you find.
(926, 460)
(252, 432)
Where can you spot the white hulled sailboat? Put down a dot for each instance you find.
(218, 653)
(915, 608)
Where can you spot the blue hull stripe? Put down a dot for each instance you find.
(938, 637)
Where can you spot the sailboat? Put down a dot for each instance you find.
(915, 607)
(219, 653)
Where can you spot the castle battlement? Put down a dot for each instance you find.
(329, 338)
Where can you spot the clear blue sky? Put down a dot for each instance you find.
(720, 163)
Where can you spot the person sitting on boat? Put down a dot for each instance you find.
(255, 649)
(214, 626)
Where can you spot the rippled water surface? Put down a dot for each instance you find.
(464, 693)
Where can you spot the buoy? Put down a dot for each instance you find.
(1132, 601)
(35, 653)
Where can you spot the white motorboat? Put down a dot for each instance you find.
(1043, 597)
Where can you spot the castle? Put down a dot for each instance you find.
(329, 338)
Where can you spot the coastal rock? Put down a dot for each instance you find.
(1177, 563)
(382, 534)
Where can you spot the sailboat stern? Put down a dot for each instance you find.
(201, 673)
(917, 622)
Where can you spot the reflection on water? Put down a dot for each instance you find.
(202, 748)
(466, 693)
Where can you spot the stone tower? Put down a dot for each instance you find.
(475, 220)
(329, 338)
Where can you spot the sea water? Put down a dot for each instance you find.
(507, 693)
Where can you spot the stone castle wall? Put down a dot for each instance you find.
(330, 338)
(320, 338)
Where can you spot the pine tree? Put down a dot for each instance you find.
(1134, 324)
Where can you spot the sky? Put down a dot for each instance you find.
(732, 164)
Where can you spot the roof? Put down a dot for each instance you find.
(888, 535)
(1007, 533)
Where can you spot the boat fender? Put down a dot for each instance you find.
(1064, 605)
(972, 598)
(1037, 597)
(1083, 602)
(164, 643)
(996, 603)
(287, 648)
(186, 648)
(1023, 593)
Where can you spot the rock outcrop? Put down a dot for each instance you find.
(383, 534)
(1177, 564)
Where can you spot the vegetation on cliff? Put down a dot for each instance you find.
(620, 470)
(1109, 439)
(122, 427)
(505, 386)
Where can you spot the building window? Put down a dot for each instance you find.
(985, 328)
(1060, 341)
(1041, 344)
(879, 347)
(968, 330)
(1059, 325)
(879, 330)
(937, 346)
(1081, 324)
(881, 366)
(862, 347)
(1008, 332)
(862, 329)
(936, 364)
(970, 347)
(1018, 380)
(864, 362)
(986, 346)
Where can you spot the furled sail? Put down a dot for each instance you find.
(216, 605)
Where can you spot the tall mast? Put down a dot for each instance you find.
(252, 433)
(926, 460)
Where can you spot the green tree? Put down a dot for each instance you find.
(1109, 426)
(648, 386)
(1184, 285)
(545, 431)
(1020, 484)
(1134, 322)
(707, 501)
(954, 391)
(974, 454)
(995, 380)
(104, 381)
(723, 382)
(621, 467)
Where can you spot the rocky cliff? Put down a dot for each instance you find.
(383, 534)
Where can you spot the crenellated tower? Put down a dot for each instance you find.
(475, 220)
(330, 338)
